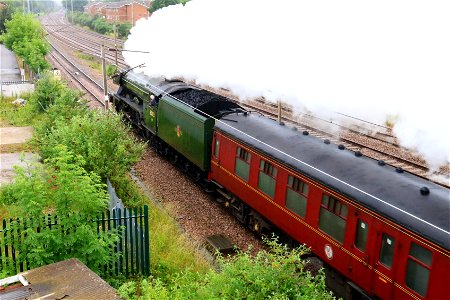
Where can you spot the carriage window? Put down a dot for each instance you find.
(296, 195)
(216, 148)
(242, 168)
(333, 217)
(418, 269)
(387, 250)
(361, 235)
(266, 178)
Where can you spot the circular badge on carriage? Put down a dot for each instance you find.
(328, 251)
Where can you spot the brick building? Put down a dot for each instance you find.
(123, 11)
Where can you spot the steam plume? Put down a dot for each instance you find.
(369, 59)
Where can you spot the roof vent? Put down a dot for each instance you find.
(245, 113)
(424, 191)
(341, 147)
(399, 170)
(305, 132)
(381, 162)
(327, 141)
(358, 154)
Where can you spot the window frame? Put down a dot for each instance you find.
(420, 263)
(216, 151)
(358, 225)
(244, 156)
(268, 169)
(298, 188)
(381, 249)
(336, 203)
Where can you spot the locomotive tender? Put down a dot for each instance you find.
(379, 231)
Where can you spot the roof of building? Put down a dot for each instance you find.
(66, 279)
(114, 5)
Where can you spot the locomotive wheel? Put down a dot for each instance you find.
(255, 224)
(196, 176)
(174, 159)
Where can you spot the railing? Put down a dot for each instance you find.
(10, 82)
(133, 246)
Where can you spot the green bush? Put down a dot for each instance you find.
(47, 90)
(110, 70)
(101, 26)
(123, 30)
(275, 274)
(100, 138)
(25, 36)
(65, 189)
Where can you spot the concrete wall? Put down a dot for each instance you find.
(15, 90)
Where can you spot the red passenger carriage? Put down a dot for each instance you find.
(340, 204)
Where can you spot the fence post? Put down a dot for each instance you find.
(147, 242)
(131, 241)
(126, 240)
(136, 236)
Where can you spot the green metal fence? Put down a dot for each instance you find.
(133, 246)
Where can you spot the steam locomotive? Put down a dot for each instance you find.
(380, 232)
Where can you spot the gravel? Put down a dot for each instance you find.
(195, 211)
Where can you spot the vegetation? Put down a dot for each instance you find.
(78, 5)
(123, 30)
(63, 187)
(275, 274)
(6, 14)
(17, 115)
(65, 172)
(25, 36)
(100, 25)
(158, 4)
(111, 70)
(80, 149)
(68, 184)
(92, 61)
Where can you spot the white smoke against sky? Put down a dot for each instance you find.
(368, 59)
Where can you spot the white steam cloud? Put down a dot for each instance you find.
(369, 59)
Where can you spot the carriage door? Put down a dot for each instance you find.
(385, 264)
(361, 248)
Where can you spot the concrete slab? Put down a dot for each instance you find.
(15, 135)
(9, 136)
(9, 69)
(9, 160)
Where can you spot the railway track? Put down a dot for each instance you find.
(82, 79)
(373, 140)
(82, 40)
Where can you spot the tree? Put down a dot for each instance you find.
(78, 5)
(123, 29)
(25, 36)
(158, 4)
(6, 14)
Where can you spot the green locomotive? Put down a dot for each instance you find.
(177, 118)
